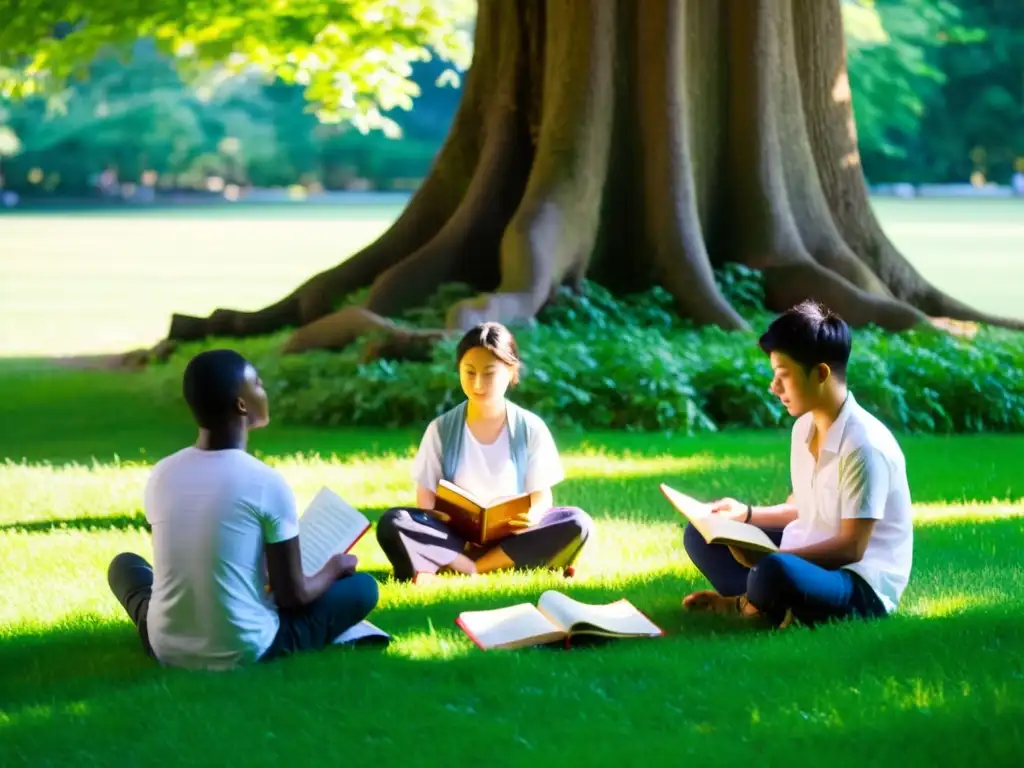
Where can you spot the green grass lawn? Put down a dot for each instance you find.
(940, 683)
(78, 283)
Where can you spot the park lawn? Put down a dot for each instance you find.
(98, 282)
(940, 683)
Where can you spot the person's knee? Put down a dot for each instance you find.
(693, 542)
(120, 564)
(768, 582)
(387, 525)
(582, 523)
(365, 592)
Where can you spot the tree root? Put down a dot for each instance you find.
(670, 137)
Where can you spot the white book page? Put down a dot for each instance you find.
(741, 533)
(619, 618)
(512, 627)
(358, 632)
(461, 492)
(688, 506)
(329, 525)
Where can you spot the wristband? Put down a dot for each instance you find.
(750, 514)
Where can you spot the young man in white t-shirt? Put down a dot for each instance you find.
(845, 534)
(226, 587)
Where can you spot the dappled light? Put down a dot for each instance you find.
(435, 645)
(636, 192)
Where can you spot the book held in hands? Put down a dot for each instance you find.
(329, 525)
(717, 529)
(556, 618)
(476, 520)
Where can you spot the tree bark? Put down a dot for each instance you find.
(634, 142)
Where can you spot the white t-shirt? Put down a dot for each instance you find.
(211, 514)
(486, 469)
(861, 473)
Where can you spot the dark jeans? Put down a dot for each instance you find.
(347, 602)
(131, 580)
(312, 627)
(781, 582)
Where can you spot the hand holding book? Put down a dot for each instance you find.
(728, 507)
(344, 564)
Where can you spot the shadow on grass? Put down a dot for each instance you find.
(83, 658)
(865, 688)
(68, 662)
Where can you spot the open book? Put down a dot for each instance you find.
(478, 521)
(717, 529)
(556, 618)
(329, 525)
(363, 634)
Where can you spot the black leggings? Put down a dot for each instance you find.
(415, 542)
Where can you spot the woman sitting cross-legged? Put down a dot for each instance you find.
(492, 448)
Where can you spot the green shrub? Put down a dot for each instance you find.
(594, 361)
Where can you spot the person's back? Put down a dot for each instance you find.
(228, 586)
(211, 512)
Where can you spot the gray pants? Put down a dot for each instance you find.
(415, 542)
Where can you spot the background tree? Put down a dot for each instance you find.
(630, 142)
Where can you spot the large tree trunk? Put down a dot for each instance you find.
(634, 142)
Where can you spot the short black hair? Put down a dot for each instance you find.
(211, 385)
(810, 334)
(496, 339)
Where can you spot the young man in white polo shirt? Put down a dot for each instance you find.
(226, 587)
(845, 534)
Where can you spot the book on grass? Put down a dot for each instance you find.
(329, 525)
(717, 529)
(363, 634)
(476, 520)
(556, 618)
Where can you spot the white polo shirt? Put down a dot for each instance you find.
(861, 473)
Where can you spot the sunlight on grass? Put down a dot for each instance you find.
(605, 464)
(101, 269)
(430, 645)
(917, 694)
(947, 605)
(31, 715)
(53, 576)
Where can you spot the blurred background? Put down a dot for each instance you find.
(145, 177)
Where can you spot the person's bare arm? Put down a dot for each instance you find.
(425, 498)
(540, 502)
(776, 516)
(846, 547)
(290, 586)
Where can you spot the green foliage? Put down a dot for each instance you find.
(940, 98)
(593, 361)
(136, 116)
(892, 74)
(936, 89)
(352, 57)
